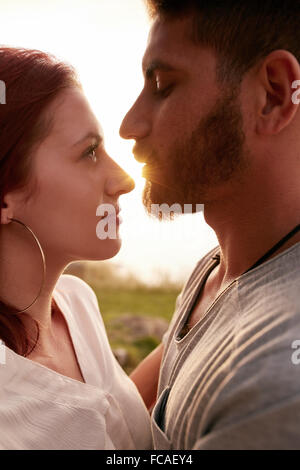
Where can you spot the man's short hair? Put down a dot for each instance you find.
(240, 32)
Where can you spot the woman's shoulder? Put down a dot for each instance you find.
(78, 302)
(75, 291)
(70, 283)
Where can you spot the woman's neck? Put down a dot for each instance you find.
(21, 278)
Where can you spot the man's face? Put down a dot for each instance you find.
(188, 129)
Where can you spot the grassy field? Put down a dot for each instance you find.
(135, 315)
(121, 308)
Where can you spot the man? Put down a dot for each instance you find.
(218, 123)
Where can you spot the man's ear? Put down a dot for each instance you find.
(277, 74)
(6, 210)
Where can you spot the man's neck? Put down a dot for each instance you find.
(251, 223)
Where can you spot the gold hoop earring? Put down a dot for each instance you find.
(43, 260)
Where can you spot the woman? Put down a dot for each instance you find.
(60, 385)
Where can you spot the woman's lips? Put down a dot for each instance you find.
(114, 217)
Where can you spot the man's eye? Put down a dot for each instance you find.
(162, 90)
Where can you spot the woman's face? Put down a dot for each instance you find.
(73, 176)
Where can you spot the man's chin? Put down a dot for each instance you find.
(162, 203)
(156, 195)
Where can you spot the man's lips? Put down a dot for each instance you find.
(140, 158)
(141, 155)
(150, 168)
(145, 171)
(150, 164)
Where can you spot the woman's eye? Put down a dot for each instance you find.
(91, 153)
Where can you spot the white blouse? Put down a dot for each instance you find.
(42, 409)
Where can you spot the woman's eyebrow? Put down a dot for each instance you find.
(90, 135)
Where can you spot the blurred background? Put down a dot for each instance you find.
(105, 41)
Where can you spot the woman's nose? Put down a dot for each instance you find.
(118, 182)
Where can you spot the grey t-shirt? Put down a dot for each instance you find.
(233, 381)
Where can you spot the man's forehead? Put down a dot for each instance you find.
(167, 43)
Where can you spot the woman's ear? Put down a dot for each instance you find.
(276, 75)
(6, 210)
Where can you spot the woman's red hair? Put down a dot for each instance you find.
(32, 79)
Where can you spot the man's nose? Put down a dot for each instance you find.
(136, 124)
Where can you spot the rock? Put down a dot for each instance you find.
(142, 326)
(122, 356)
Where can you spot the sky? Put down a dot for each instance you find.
(105, 41)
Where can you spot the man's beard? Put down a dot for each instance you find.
(211, 155)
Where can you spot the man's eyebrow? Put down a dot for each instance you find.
(90, 135)
(154, 66)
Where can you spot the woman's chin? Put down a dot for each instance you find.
(103, 250)
(110, 249)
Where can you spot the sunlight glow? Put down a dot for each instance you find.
(105, 41)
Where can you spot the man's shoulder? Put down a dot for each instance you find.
(286, 264)
(190, 287)
(200, 268)
(274, 284)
